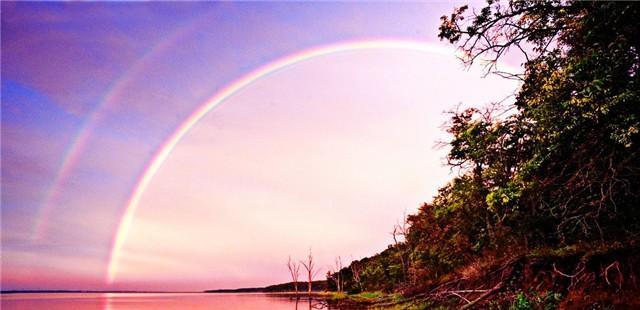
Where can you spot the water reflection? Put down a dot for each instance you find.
(126, 301)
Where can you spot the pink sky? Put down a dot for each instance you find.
(327, 153)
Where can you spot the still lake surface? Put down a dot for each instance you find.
(120, 301)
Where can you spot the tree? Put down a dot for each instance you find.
(400, 230)
(356, 271)
(309, 265)
(579, 104)
(294, 271)
(338, 273)
(560, 166)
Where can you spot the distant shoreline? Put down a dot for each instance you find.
(288, 287)
(283, 288)
(91, 292)
(291, 294)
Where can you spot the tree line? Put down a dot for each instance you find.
(560, 168)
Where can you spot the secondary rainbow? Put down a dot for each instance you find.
(165, 150)
(112, 96)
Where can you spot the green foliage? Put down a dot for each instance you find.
(521, 303)
(380, 273)
(562, 166)
(565, 166)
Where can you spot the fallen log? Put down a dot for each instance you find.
(483, 296)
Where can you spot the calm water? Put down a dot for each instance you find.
(118, 301)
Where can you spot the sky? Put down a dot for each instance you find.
(198, 145)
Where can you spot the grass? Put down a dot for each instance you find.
(369, 295)
(360, 297)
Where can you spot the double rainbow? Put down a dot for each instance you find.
(167, 147)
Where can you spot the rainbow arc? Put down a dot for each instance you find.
(225, 93)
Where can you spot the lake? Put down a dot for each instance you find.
(120, 301)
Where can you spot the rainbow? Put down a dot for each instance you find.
(167, 147)
(81, 139)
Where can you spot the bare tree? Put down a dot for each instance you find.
(400, 230)
(310, 266)
(294, 270)
(335, 274)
